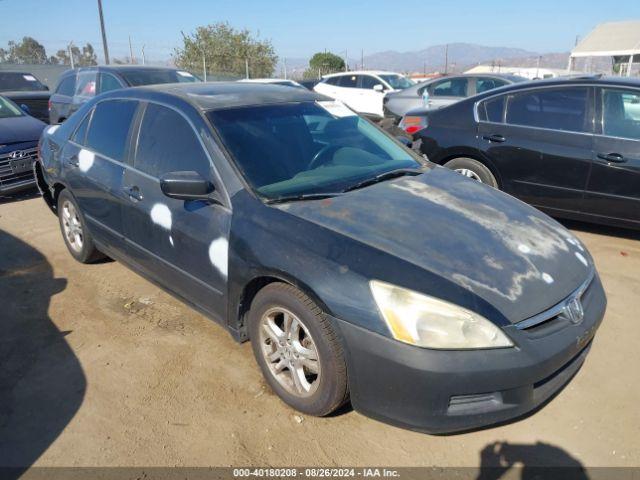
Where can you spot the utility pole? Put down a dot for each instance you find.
(346, 61)
(204, 66)
(538, 67)
(284, 61)
(446, 58)
(362, 59)
(143, 58)
(131, 59)
(104, 34)
(246, 67)
(71, 55)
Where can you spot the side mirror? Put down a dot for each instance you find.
(378, 88)
(25, 108)
(186, 186)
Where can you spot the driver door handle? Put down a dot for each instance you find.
(495, 138)
(612, 157)
(134, 193)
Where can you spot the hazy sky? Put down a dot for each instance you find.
(298, 28)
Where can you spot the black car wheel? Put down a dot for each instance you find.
(74, 230)
(297, 349)
(472, 169)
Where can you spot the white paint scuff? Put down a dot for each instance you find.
(219, 255)
(524, 248)
(85, 160)
(52, 129)
(161, 215)
(547, 278)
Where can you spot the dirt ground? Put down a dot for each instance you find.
(99, 367)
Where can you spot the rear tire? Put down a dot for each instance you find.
(298, 350)
(74, 230)
(473, 169)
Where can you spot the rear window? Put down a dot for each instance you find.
(67, 86)
(152, 77)
(23, 82)
(109, 128)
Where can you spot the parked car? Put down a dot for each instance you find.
(440, 92)
(363, 91)
(356, 269)
(19, 134)
(570, 147)
(76, 87)
(28, 92)
(273, 81)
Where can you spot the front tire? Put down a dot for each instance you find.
(473, 169)
(298, 350)
(74, 230)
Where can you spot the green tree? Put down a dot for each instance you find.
(29, 50)
(82, 58)
(323, 63)
(226, 52)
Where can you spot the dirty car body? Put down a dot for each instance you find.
(340, 236)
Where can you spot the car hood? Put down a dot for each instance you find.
(504, 251)
(20, 129)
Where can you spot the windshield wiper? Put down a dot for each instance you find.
(401, 172)
(301, 197)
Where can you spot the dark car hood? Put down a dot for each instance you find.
(506, 252)
(20, 129)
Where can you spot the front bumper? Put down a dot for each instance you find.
(438, 391)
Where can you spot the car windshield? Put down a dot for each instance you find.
(24, 82)
(9, 109)
(152, 77)
(306, 148)
(397, 82)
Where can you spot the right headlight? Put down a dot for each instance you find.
(429, 322)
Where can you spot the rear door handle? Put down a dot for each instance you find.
(495, 138)
(133, 192)
(612, 157)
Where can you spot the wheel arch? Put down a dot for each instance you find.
(474, 155)
(251, 288)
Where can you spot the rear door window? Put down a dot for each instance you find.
(621, 113)
(108, 82)
(348, 81)
(109, 129)
(486, 84)
(454, 87)
(67, 86)
(368, 82)
(553, 108)
(168, 143)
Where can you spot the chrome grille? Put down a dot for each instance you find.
(8, 175)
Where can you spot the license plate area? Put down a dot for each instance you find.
(20, 165)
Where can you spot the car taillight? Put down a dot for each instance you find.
(412, 124)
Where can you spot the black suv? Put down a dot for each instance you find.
(77, 86)
(568, 146)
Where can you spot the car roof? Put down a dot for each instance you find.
(573, 80)
(361, 72)
(222, 95)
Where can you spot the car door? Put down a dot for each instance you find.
(540, 142)
(93, 163)
(181, 244)
(371, 91)
(347, 91)
(445, 92)
(614, 186)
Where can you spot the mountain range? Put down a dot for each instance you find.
(459, 57)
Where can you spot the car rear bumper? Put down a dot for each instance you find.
(449, 391)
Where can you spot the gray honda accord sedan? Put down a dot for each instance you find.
(357, 270)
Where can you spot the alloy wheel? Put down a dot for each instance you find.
(72, 226)
(469, 174)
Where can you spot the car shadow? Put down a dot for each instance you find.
(18, 197)
(42, 383)
(601, 229)
(532, 461)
